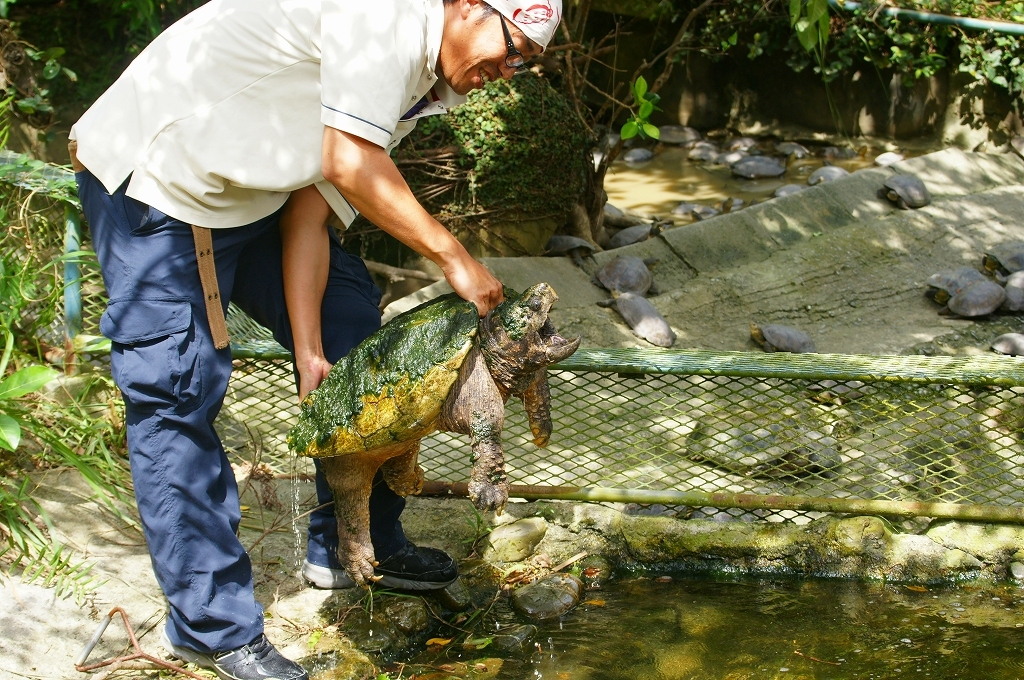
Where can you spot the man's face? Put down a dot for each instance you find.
(473, 48)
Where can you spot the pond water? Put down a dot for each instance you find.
(659, 185)
(705, 628)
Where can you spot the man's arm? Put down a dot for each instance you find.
(306, 260)
(367, 177)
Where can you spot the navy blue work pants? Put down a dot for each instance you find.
(174, 382)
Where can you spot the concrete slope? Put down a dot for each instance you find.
(835, 260)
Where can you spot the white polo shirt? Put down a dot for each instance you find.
(221, 116)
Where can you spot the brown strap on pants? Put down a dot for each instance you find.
(208, 277)
(207, 271)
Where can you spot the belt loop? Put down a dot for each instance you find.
(208, 277)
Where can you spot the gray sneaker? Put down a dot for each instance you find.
(258, 660)
(325, 577)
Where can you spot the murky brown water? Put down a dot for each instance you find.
(705, 629)
(656, 187)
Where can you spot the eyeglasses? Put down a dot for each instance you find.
(514, 58)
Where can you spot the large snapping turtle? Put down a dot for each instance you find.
(435, 367)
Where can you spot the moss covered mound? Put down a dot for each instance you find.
(514, 152)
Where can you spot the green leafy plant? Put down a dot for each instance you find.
(645, 104)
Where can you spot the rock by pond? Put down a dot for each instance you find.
(754, 167)
(409, 615)
(516, 541)
(454, 597)
(515, 639)
(549, 597)
(372, 634)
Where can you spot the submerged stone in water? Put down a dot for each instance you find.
(515, 638)
(408, 615)
(548, 598)
(371, 634)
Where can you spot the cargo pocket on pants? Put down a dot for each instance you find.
(154, 358)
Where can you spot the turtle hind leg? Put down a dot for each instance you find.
(403, 473)
(351, 479)
(537, 401)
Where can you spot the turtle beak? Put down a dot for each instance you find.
(557, 348)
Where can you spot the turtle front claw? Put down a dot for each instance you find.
(489, 496)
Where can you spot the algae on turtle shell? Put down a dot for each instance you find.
(436, 367)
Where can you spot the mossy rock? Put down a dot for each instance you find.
(516, 160)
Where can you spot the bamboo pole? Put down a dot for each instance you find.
(748, 501)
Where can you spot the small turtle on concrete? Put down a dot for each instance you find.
(573, 246)
(787, 189)
(827, 173)
(637, 156)
(626, 274)
(1009, 343)
(630, 235)
(741, 144)
(436, 367)
(695, 211)
(645, 320)
(888, 158)
(678, 134)
(1004, 259)
(946, 284)
(755, 167)
(906, 191)
(977, 299)
(775, 337)
(792, 149)
(703, 151)
(613, 217)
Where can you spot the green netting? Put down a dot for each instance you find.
(924, 429)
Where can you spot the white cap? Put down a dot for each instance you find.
(538, 19)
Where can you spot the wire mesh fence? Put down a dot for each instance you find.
(904, 429)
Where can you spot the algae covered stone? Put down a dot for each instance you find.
(436, 367)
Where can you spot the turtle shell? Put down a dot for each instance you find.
(946, 284)
(625, 274)
(406, 370)
(907, 191)
(1009, 343)
(1005, 258)
(792, 149)
(787, 189)
(645, 320)
(754, 167)
(630, 235)
(560, 244)
(774, 337)
(827, 173)
(977, 299)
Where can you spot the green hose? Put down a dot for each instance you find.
(932, 18)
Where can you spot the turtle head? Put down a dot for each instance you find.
(518, 338)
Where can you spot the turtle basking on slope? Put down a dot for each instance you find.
(435, 367)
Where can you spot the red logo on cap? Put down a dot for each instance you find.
(534, 14)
